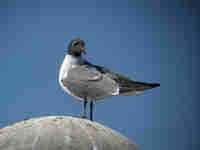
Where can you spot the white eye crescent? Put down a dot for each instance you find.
(75, 43)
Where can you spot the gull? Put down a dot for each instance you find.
(85, 81)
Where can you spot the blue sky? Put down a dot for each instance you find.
(151, 41)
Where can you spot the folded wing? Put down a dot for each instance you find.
(88, 81)
(126, 85)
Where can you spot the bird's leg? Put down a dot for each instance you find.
(84, 108)
(91, 110)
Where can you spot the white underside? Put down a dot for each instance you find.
(133, 93)
(68, 63)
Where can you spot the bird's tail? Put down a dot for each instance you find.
(136, 87)
(141, 86)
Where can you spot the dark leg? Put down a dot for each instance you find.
(84, 108)
(91, 110)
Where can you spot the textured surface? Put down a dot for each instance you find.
(61, 133)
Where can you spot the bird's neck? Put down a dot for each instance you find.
(69, 63)
(72, 60)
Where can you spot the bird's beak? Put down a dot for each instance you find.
(83, 51)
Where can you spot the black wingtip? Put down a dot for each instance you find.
(154, 85)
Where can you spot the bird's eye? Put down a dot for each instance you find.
(75, 43)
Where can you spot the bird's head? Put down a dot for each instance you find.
(76, 47)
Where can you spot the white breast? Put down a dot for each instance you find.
(68, 63)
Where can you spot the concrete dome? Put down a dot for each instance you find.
(62, 133)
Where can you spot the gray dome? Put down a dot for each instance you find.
(62, 133)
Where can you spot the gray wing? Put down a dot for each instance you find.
(87, 80)
(126, 84)
(84, 73)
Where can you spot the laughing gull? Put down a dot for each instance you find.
(87, 81)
